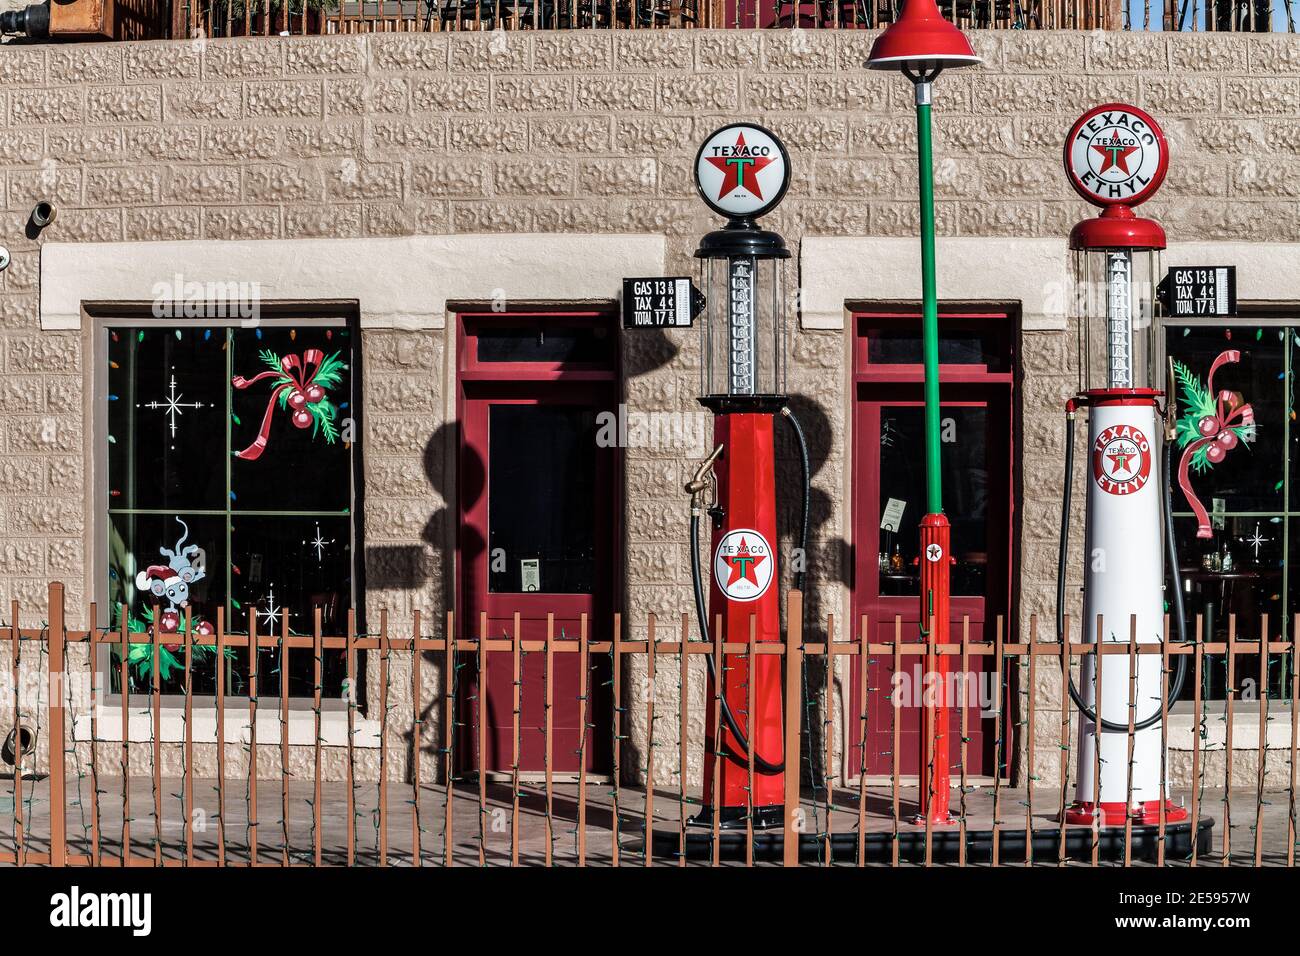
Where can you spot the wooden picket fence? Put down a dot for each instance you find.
(1024, 659)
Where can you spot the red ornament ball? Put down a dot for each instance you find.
(1228, 439)
(302, 418)
(1215, 453)
(1208, 425)
(297, 399)
(314, 394)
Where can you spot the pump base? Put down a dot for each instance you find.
(1117, 814)
(733, 818)
(946, 820)
(945, 844)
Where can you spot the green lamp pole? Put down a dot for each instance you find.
(922, 44)
(929, 301)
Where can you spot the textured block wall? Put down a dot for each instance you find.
(282, 138)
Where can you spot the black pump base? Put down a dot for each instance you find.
(945, 844)
(733, 818)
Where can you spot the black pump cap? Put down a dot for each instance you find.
(742, 237)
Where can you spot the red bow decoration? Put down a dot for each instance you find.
(301, 373)
(1209, 431)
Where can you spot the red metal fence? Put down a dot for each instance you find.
(875, 829)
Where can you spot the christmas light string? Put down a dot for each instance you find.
(385, 655)
(42, 652)
(808, 703)
(616, 747)
(417, 739)
(17, 659)
(828, 723)
(449, 752)
(582, 698)
(517, 716)
(480, 703)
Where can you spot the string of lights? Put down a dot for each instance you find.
(16, 658)
(69, 699)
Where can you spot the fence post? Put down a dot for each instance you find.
(57, 694)
(793, 692)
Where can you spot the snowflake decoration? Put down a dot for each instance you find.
(272, 612)
(171, 405)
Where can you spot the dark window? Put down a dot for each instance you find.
(543, 343)
(903, 347)
(964, 431)
(230, 486)
(542, 532)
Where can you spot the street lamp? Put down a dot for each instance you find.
(922, 44)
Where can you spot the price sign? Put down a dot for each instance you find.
(660, 302)
(1200, 291)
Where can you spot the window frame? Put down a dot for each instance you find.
(1259, 313)
(100, 318)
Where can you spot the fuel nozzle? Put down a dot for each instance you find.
(1171, 405)
(702, 480)
(703, 474)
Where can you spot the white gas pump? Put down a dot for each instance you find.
(1116, 158)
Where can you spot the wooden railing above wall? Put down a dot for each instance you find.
(312, 17)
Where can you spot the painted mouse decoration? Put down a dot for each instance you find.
(186, 564)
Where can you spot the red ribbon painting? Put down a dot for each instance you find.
(300, 372)
(1216, 425)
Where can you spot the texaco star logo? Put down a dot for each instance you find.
(1116, 154)
(742, 170)
(1121, 460)
(743, 565)
(933, 552)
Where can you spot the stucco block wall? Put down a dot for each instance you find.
(590, 133)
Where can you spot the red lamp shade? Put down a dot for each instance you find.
(921, 39)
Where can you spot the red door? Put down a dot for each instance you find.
(978, 435)
(539, 526)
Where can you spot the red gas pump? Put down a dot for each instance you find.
(742, 171)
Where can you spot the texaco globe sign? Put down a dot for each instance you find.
(1116, 155)
(742, 170)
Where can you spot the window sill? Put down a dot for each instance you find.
(302, 727)
(1183, 722)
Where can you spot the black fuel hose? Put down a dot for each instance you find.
(765, 767)
(1166, 501)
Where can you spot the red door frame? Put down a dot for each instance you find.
(993, 385)
(480, 384)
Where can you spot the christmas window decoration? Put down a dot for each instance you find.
(1236, 500)
(230, 487)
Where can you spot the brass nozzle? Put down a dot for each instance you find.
(698, 480)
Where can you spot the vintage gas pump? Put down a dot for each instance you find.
(742, 171)
(1116, 157)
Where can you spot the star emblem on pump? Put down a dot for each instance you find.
(1114, 153)
(1119, 460)
(740, 169)
(933, 552)
(744, 564)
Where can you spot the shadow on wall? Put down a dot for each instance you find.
(828, 559)
(409, 567)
